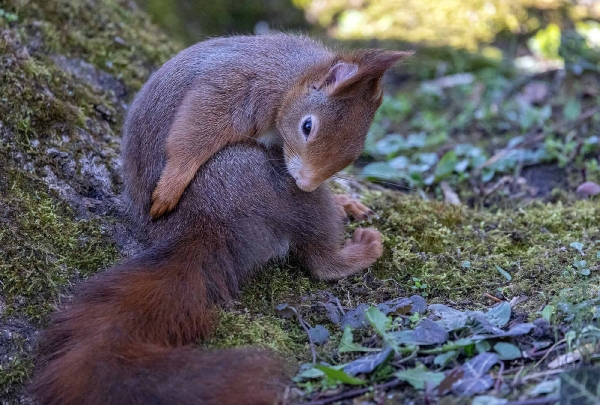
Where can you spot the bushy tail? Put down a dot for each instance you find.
(126, 338)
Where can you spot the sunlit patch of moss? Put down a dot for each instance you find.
(113, 35)
(242, 329)
(455, 251)
(44, 247)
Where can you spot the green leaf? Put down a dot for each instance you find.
(347, 344)
(577, 246)
(339, 375)
(381, 324)
(391, 144)
(507, 351)
(378, 320)
(487, 174)
(382, 170)
(547, 312)
(500, 314)
(546, 387)
(446, 165)
(580, 386)
(503, 272)
(444, 358)
(418, 376)
(309, 374)
(483, 346)
(572, 110)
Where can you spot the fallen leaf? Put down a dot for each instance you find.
(488, 400)
(355, 318)
(319, 334)
(428, 332)
(475, 378)
(450, 380)
(368, 363)
(450, 195)
(419, 376)
(507, 351)
(565, 359)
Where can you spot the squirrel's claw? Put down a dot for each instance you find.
(353, 208)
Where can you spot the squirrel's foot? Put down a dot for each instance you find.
(162, 202)
(165, 197)
(353, 208)
(364, 248)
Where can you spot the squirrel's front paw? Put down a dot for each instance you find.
(164, 199)
(353, 208)
(366, 246)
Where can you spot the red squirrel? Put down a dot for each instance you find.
(127, 336)
(271, 88)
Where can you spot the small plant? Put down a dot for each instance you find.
(419, 286)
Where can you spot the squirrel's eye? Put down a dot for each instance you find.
(307, 127)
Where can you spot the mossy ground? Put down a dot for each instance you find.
(59, 144)
(59, 178)
(454, 251)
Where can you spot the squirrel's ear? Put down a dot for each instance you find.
(361, 65)
(374, 63)
(339, 74)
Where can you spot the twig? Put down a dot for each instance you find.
(492, 297)
(542, 374)
(548, 352)
(406, 359)
(353, 393)
(313, 351)
(499, 377)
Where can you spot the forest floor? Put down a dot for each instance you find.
(488, 287)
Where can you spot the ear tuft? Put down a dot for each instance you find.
(375, 62)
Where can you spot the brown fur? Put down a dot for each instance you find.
(224, 90)
(127, 336)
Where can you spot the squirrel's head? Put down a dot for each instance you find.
(324, 119)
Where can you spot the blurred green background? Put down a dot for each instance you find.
(500, 100)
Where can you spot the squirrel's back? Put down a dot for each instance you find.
(247, 77)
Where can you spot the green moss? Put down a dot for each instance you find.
(434, 242)
(242, 329)
(44, 247)
(276, 285)
(113, 35)
(14, 372)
